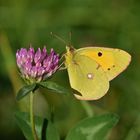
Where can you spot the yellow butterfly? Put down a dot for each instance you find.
(91, 68)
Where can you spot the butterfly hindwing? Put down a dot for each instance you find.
(87, 77)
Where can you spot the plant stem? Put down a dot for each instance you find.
(32, 116)
(88, 109)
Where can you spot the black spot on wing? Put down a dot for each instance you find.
(99, 54)
(110, 68)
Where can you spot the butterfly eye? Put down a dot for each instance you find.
(99, 54)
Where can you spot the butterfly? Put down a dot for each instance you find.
(90, 69)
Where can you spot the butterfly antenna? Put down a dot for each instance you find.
(70, 38)
(59, 38)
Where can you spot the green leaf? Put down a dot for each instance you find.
(25, 90)
(23, 121)
(45, 128)
(94, 128)
(53, 86)
(52, 133)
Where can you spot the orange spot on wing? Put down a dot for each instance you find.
(106, 60)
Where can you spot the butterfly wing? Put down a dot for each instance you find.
(113, 61)
(87, 77)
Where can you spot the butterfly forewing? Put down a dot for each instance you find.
(113, 61)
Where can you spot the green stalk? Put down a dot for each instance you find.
(87, 107)
(32, 116)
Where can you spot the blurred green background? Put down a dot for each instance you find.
(108, 23)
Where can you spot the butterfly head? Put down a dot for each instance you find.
(70, 49)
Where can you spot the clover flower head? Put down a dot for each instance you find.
(36, 65)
